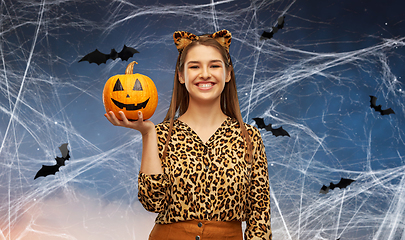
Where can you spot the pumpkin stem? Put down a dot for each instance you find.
(130, 68)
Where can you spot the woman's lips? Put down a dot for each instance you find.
(205, 85)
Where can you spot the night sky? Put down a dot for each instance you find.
(314, 78)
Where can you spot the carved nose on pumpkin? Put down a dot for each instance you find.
(128, 96)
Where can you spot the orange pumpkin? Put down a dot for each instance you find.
(130, 93)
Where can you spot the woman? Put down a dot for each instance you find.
(204, 171)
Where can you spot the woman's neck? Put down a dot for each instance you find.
(203, 115)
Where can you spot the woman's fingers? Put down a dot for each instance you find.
(111, 117)
(140, 124)
(124, 118)
(114, 120)
(124, 122)
(140, 116)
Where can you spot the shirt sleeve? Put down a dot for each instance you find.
(258, 224)
(152, 190)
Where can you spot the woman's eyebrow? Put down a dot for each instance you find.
(212, 61)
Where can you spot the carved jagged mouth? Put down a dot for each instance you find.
(130, 107)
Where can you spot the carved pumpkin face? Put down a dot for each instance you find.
(130, 93)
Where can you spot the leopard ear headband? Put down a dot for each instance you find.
(182, 39)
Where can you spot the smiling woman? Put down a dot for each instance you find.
(214, 167)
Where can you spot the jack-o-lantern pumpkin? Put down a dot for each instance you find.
(130, 93)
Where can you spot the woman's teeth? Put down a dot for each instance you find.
(205, 85)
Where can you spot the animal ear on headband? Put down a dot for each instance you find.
(182, 39)
(224, 37)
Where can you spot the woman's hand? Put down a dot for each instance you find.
(142, 126)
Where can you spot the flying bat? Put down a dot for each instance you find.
(60, 161)
(373, 105)
(280, 25)
(276, 131)
(344, 182)
(98, 57)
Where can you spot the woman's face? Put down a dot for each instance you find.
(204, 73)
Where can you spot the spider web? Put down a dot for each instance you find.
(313, 78)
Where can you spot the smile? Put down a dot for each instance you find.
(205, 86)
(130, 107)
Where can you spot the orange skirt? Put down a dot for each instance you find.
(197, 230)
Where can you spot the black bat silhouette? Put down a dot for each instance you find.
(60, 161)
(276, 131)
(344, 182)
(280, 25)
(373, 104)
(98, 57)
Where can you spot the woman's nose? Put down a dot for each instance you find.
(205, 73)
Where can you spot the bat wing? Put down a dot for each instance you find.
(260, 122)
(267, 35)
(127, 52)
(373, 102)
(65, 155)
(387, 111)
(280, 22)
(324, 189)
(47, 170)
(96, 57)
(64, 150)
(279, 132)
(344, 182)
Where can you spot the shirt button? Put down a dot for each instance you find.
(200, 224)
(207, 190)
(197, 238)
(206, 168)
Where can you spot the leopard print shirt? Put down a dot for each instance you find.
(210, 181)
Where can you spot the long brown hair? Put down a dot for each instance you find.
(229, 96)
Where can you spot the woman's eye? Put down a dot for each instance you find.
(216, 66)
(193, 66)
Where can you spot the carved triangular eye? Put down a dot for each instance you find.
(138, 86)
(118, 86)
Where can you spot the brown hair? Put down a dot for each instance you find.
(229, 97)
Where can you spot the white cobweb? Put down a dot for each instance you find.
(313, 78)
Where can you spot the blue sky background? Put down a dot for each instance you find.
(314, 78)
